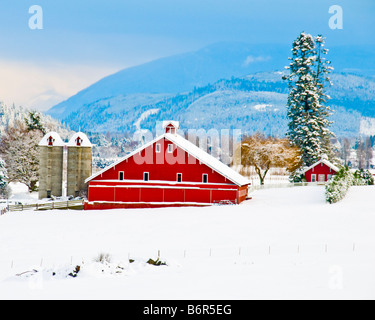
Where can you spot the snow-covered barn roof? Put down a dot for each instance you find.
(85, 142)
(326, 162)
(56, 140)
(208, 160)
(194, 151)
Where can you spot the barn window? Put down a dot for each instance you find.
(50, 141)
(49, 194)
(146, 176)
(79, 141)
(170, 148)
(313, 178)
(158, 148)
(205, 178)
(121, 175)
(179, 177)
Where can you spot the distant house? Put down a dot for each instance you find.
(322, 171)
(168, 171)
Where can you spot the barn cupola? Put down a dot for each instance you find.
(171, 127)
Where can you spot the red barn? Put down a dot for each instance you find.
(322, 171)
(169, 171)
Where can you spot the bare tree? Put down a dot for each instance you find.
(361, 154)
(265, 153)
(19, 149)
(346, 149)
(368, 152)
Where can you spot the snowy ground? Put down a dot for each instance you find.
(284, 244)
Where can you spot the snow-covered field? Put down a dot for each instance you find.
(283, 244)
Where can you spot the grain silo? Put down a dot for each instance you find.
(79, 164)
(51, 159)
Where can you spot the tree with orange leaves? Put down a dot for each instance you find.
(264, 153)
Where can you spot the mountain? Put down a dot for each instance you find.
(232, 85)
(252, 103)
(180, 73)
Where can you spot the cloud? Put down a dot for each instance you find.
(42, 86)
(251, 59)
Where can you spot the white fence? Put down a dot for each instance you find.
(286, 185)
(58, 205)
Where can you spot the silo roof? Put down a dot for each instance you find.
(56, 140)
(85, 142)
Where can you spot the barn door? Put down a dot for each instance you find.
(322, 178)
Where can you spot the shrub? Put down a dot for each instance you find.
(157, 263)
(337, 188)
(103, 258)
(297, 177)
(363, 178)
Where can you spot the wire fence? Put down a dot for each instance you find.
(229, 253)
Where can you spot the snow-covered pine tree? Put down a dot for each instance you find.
(34, 122)
(4, 187)
(309, 123)
(322, 81)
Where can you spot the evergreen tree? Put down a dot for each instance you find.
(308, 116)
(34, 122)
(4, 188)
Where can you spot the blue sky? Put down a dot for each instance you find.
(84, 40)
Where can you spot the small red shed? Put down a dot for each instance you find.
(322, 171)
(168, 171)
